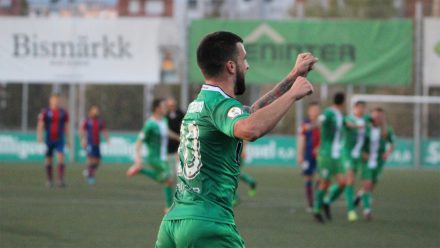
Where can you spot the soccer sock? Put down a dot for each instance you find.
(308, 185)
(334, 193)
(49, 172)
(168, 191)
(61, 169)
(91, 169)
(247, 179)
(349, 197)
(149, 173)
(319, 197)
(366, 200)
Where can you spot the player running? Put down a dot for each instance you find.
(155, 135)
(308, 143)
(329, 157)
(378, 146)
(211, 142)
(90, 134)
(54, 121)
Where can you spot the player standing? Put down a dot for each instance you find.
(329, 157)
(90, 134)
(174, 118)
(155, 134)
(354, 137)
(308, 143)
(54, 121)
(378, 146)
(211, 142)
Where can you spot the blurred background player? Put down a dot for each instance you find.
(329, 158)
(54, 121)
(378, 146)
(155, 134)
(354, 137)
(174, 118)
(308, 143)
(90, 134)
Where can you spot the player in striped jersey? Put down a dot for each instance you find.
(90, 133)
(53, 121)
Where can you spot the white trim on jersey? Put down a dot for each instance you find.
(215, 88)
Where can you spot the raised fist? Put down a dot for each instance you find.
(304, 63)
(301, 88)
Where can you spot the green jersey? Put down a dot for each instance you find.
(331, 121)
(354, 137)
(209, 158)
(155, 135)
(375, 144)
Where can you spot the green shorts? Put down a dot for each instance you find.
(161, 168)
(369, 174)
(192, 233)
(329, 167)
(353, 164)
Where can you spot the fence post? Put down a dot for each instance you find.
(24, 107)
(418, 80)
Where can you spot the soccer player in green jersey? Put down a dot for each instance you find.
(329, 157)
(211, 142)
(377, 148)
(354, 137)
(155, 134)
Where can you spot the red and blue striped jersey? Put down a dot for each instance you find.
(54, 123)
(312, 138)
(93, 127)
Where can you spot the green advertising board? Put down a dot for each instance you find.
(19, 146)
(273, 150)
(350, 51)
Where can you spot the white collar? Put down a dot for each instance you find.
(215, 88)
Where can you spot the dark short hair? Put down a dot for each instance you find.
(215, 50)
(360, 103)
(156, 103)
(378, 109)
(313, 103)
(339, 98)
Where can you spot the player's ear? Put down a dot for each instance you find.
(230, 67)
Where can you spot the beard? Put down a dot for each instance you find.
(240, 84)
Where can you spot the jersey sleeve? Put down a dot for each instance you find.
(84, 124)
(326, 119)
(144, 133)
(302, 129)
(226, 113)
(349, 120)
(390, 137)
(42, 115)
(66, 118)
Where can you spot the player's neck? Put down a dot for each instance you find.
(157, 116)
(338, 107)
(224, 84)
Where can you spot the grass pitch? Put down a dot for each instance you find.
(122, 212)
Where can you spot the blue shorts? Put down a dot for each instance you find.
(93, 151)
(309, 167)
(54, 145)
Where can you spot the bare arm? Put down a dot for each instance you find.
(66, 133)
(303, 65)
(82, 136)
(138, 151)
(300, 149)
(265, 119)
(173, 135)
(40, 126)
(106, 136)
(388, 152)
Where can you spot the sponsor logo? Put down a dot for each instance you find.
(259, 49)
(234, 112)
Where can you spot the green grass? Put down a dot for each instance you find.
(122, 212)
